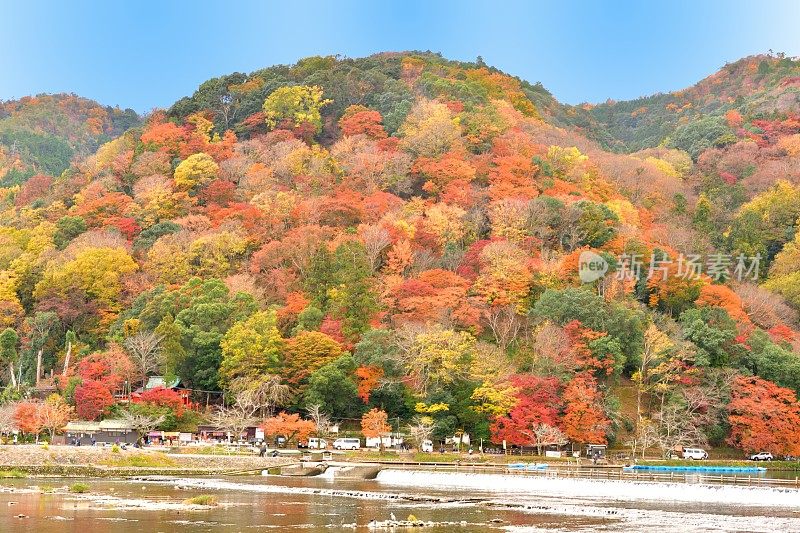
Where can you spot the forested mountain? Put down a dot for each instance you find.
(411, 234)
(758, 87)
(44, 133)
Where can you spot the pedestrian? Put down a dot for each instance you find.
(263, 450)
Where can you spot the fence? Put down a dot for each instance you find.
(604, 473)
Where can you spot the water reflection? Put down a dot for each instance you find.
(285, 508)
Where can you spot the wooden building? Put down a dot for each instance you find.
(103, 432)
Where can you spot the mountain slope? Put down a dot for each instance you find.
(757, 87)
(43, 133)
(410, 234)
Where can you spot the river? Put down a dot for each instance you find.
(452, 502)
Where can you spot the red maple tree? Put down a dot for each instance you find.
(763, 417)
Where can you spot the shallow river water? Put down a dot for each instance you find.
(453, 502)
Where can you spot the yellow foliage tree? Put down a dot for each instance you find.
(195, 170)
(98, 272)
(251, 349)
(429, 129)
(298, 104)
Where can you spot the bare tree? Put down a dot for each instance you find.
(423, 260)
(145, 351)
(234, 419)
(376, 240)
(261, 396)
(142, 424)
(681, 421)
(321, 420)
(552, 344)
(7, 421)
(505, 324)
(420, 429)
(570, 233)
(541, 435)
(765, 308)
(539, 222)
(644, 437)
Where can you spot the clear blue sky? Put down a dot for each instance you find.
(145, 54)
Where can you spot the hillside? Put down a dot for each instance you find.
(42, 134)
(408, 236)
(758, 88)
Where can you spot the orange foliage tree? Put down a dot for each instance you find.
(358, 120)
(374, 424)
(289, 426)
(722, 296)
(369, 378)
(584, 419)
(763, 417)
(26, 417)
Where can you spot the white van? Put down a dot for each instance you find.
(696, 454)
(427, 446)
(347, 444)
(317, 444)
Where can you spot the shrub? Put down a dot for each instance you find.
(79, 488)
(203, 499)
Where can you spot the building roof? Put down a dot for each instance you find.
(159, 381)
(114, 424)
(82, 426)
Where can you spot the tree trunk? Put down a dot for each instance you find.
(13, 376)
(67, 358)
(38, 367)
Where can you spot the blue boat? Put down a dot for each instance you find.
(700, 469)
(527, 466)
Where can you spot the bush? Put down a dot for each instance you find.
(115, 449)
(141, 460)
(203, 499)
(79, 488)
(15, 474)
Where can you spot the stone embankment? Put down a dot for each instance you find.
(91, 461)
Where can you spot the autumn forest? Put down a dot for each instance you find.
(404, 236)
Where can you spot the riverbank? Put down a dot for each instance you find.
(96, 461)
(392, 457)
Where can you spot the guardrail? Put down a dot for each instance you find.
(604, 473)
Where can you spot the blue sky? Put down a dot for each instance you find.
(147, 54)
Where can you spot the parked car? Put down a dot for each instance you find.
(427, 446)
(695, 454)
(347, 444)
(761, 456)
